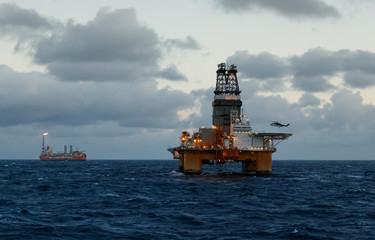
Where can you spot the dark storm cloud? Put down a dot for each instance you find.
(310, 72)
(171, 73)
(286, 8)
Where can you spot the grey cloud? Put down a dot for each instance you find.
(101, 71)
(286, 8)
(362, 61)
(315, 62)
(24, 25)
(262, 110)
(115, 35)
(319, 61)
(312, 84)
(308, 99)
(262, 66)
(12, 16)
(204, 117)
(318, 64)
(171, 73)
(310, 72)
(112, 45)
(187, 43)
(348, 112)
(44, 101)
(264, 72)
(358, 79)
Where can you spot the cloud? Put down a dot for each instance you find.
(114, 46)
(286, 8)
(348, 112)
(315, 62)
(264, 71)
(111, 45)
(188, 43)
(311, 71)
(357, 79)
(25, 25)
(36, 98)
(102, 71)
(312, 84)
(115, 35)
(308, 99)
(360, 60)
(12, 16)
(316, 65)
(171, 73)
(261, 66)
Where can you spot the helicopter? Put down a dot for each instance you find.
(278, 124)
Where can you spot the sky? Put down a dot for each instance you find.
(122, 79)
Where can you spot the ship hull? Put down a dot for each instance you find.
(75, 158)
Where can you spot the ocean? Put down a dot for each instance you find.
(150, 199)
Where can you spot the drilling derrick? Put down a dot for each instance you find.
(227, 103)
(231, 138)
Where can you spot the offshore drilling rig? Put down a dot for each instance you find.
(231, 138)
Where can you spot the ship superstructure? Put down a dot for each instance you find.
(231, 137)
(48, 154)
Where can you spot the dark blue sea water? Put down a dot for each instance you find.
(152, 200)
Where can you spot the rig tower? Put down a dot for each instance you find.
(227, 103)
(231, 137)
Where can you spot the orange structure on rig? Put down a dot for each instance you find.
(231, 137)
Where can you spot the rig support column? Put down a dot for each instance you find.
(264, 163)
(249, 166)
(192, 162)
(181, 163)
(259, 162)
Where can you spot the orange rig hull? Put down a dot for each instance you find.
(191, 160)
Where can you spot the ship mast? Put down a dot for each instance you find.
(43, 148)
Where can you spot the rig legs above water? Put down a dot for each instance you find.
(191, 161)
